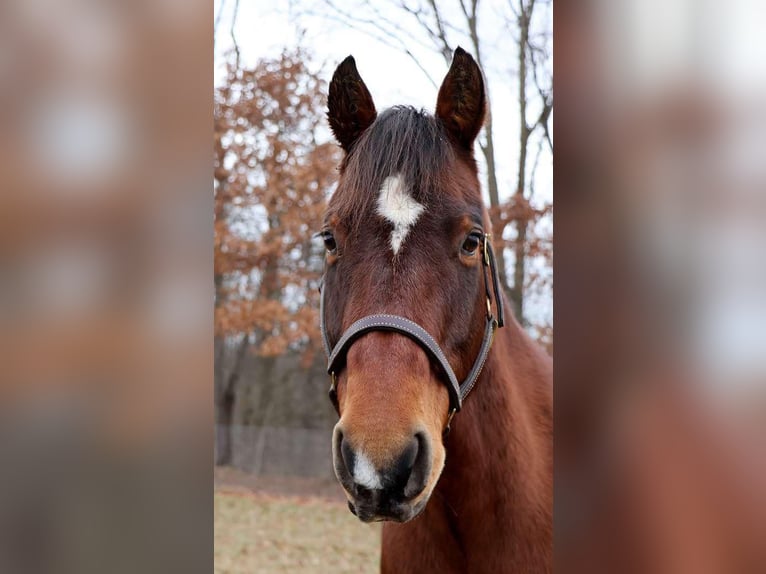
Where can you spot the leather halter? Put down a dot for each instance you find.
(384, 322)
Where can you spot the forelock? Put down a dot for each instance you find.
(402, 141)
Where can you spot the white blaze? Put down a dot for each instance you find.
(398, 207)
(365, 474)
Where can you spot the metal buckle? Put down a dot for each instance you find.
(486, 248)
(449, 421)
(333, 384)
(333, 393)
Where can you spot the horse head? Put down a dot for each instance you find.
(406, 237)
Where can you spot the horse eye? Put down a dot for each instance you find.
(471, 243)
(329, 242)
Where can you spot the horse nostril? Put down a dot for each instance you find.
(420, 468)
(409, 473)
(346, 454)
(406, 461)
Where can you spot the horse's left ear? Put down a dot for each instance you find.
(350, 108)
(461, 102)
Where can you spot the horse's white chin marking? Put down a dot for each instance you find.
(365, 474)
(398, 207)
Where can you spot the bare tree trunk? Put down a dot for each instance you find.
(227, 381)
(264, 408)
(521, 220)
(224, 416)
(223, 401)
(224, 398)
(488, 149)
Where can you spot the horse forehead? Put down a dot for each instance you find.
(396, 205)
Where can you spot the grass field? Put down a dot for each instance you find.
(267, 534)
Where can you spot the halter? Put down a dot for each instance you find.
(385, 322)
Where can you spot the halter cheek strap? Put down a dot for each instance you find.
(394, 323)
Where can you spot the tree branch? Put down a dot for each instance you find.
(218, 18)
(231, 31)
(376, 31)
(445, 48)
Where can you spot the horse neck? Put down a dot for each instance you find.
(500, 450)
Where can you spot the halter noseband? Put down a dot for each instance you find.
(385, 322)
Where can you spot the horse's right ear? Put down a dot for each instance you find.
(350, 108)
(461, 101)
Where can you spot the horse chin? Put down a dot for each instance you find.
(395, 512)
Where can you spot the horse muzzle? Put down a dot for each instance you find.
(391, 491)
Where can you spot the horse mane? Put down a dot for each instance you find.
(402, 140)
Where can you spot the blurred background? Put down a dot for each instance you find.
(107, 339)
(660, 401)
(276, 167)
(105, 291)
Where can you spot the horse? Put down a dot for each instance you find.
(410, 306)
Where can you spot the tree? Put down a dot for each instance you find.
(274, 166)
(528, 60)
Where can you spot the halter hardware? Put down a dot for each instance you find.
(336, 354)
(449, 421)
(333, 392)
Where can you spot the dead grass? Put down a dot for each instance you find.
(257, 533)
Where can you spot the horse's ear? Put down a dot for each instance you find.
(350, 108)
(461, 102)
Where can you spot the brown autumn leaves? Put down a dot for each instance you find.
(274, 167)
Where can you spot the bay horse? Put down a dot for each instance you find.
(411, 306)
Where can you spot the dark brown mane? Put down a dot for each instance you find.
(402, 140)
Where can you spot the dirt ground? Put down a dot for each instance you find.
(232, 479)
(288, 525)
